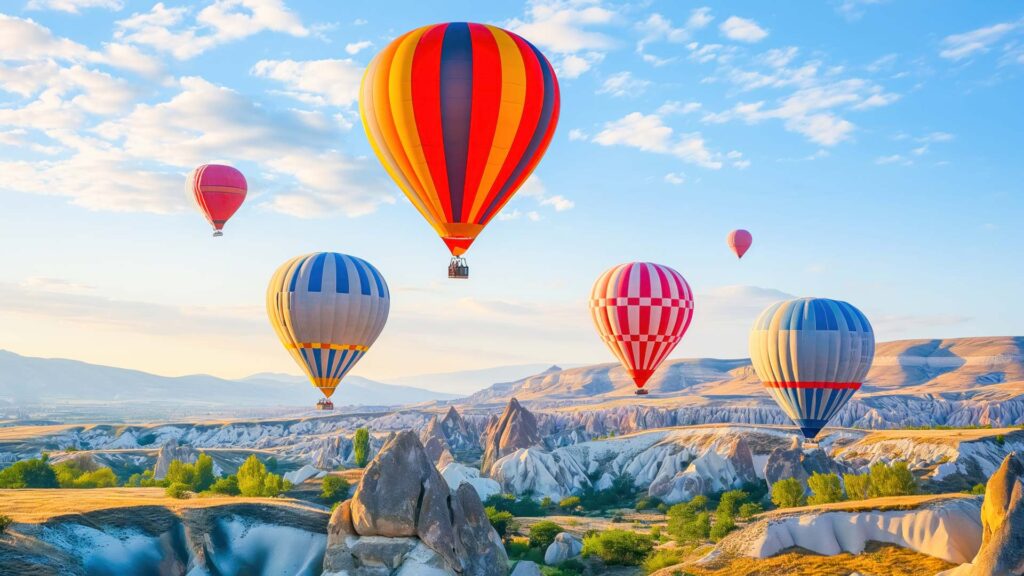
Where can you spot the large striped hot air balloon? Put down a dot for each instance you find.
(327, 309)
(811, 354)
(641, 310)
(739, 242)
(459, 114)
(218, 191)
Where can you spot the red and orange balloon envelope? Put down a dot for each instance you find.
(459, 114)
(641, 310)
(740, 241)
(218, 191)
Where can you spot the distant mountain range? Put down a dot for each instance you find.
(470, 381)
(27, 380)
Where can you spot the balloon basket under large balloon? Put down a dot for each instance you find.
(217, 233)
(324, 404)
(641, 392)
(458, 268)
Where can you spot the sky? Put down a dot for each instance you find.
(872, 147)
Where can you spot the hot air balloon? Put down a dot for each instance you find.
(459, 114)
(327, 309)
(811, 354)
(641, 310)
(218, 191)
(740, 241)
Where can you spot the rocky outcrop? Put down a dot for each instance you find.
(526, 568)
(457, 432)
(727, 464)
(515, 429)
(455, 474)
(794, 462)
(173, 451)
(1002, 520)
(565, 547)
(434, 442)
(404, 519)
(540, 473)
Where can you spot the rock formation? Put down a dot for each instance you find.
(728, 464)
(455, 474)
(457, 432)
(173, 451)
(515, 429)
(434, 442)
(403, 519)
(565, 547)
(1002, 521)
(793, 462)
(526, 568)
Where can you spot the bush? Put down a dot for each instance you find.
(543, 533)
(546, 502)
(501, 520)
(178, 490)
(72, 474)
(618, 547)
(334, 489)
(858, 486)
(622, 490)
(101, 478)
(892, 480)
(662, 559)
(1000, 439)
(35, 473)
(179, 472)
(722, 526)
(690, 522)
(569, 503)
(978, 490)
(656, 533)
(825, 489)
(227, 485)
(648, 503)
(361, 446)
(787, 493)
(516, 506)
(254, 480)
(750, 509)
(5, 522)
(729, 502)
(567, 568)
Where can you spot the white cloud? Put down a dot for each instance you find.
(743, 30)
(893, 159)
(223, 21)
(354, 48)
(854, 9)
(575, 65)
(979, 41)
(675, 178)
(705, 53)
(25, 40)
(566, 29)
(648, 133)
(675, 107)
(577, 134)
(534, 188)
(73, 6)
(779, 57)
(320, 82)
(623, 84)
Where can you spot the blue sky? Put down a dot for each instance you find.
(871, 147)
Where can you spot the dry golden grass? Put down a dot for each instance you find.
(881, 504)
(632, 521)
(876, 559)
(40, 505)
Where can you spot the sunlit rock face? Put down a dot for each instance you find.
(404, 519)
(516, 428)
(1002, 517)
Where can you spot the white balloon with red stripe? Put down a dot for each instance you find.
(641, 310)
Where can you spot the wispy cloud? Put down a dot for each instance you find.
(571, 30)
(979, 41)
(647, 132)
(743, 30)
(74, 6)
(623, 84)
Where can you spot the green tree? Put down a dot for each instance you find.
(662, 559)
(750, 509)
(787, 493)
(501, 521)
(569, 502)
(724, 523)
(179, 472)
(729, 503)
(361, 446)
(825, 489)
(203, 476)
(978, 490)
(35, 473)
(252, 476)
(689, 522)
(618, 547)
(892, 480)
(227, 485)
(274, 485)
(177, 490)
(5, 522)
(334, 489)
(858, 486)
(543, 533)
(99, 478)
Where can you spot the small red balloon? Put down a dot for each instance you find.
(740, 241)
(218, 192)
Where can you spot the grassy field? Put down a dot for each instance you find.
(40, 505)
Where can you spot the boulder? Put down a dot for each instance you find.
(526, 568)
(1002, 521)
(515, 429)
(173, 451)
(299, 476)
(565, 547)
(404, 519)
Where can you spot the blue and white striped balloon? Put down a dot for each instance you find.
(812, 355)
(327, 309)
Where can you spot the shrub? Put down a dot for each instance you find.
(858, 486)
(724, 524)
(361, 446)
(656, 533)
(648, 503)
(662, 559)
(501, 520)
(227, 485)
(893, 480)
(542, 534)
(567, 568)
(787, 493)
(101, 478)
(5, 522)
(545, 502)
(618, 547)
(825, 489)
(690, 522)
(622, 490)
(178, 490)
(516, 506)
(254, 480)
(729, 503)
(35, 473)
(978, 490)
(569, 502)
(334, 489)
(749, 509)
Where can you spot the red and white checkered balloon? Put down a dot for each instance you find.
(641, 310)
